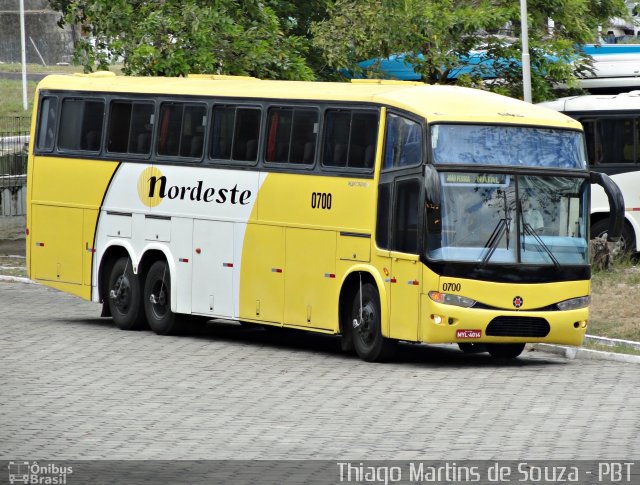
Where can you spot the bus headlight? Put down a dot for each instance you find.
(574, 303)
(449, 299)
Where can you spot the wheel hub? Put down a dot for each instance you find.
(364, 325)
(121, 293)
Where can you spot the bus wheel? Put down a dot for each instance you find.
(627, 240)
(505, 351)
(367, 329)
(125, 296)
(157, 299)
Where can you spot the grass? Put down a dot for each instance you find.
(11, 97)
(39, 68)
(614, 300)
(619, 348)
(12, 266)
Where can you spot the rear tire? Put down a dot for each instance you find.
(627, 242)
(157, 300)
(368, 341)
(124, 296)
(504, 351)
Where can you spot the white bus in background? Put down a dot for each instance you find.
(612, 131)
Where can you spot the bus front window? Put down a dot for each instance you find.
(500, 218)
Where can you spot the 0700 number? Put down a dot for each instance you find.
(320, 200)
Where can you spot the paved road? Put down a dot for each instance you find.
(72, 386)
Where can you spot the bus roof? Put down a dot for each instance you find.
(596, 102)
(435, 103)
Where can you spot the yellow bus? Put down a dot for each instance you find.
(379, 211)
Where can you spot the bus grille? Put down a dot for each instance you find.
(518, 327)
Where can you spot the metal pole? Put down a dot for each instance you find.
(526, 64)
(25, 104)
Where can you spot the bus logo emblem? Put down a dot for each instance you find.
(518, 301)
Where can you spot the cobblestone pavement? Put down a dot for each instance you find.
(72, 386)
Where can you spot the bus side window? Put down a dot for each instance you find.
(382, 223)
(141, 128)
(616, 138)
(246, 134)
(170, 124)
(235, 133)
(81, 123)
(350, 138)
(181, 130)
(291, 136)
(336, 138)
(48, 121)
(405, 217)
(222, 132)
(593, 155)
(403, 142)
(637, 138)
(130, 127)
(194, 120)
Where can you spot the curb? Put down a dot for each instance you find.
(611, 341)
(572, 353)
(16, 279)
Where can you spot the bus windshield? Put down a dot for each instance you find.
(500, 218)
(507, 146)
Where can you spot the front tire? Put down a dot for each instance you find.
(125, 296)
(504, 351)
(157, 300)
(368, 341)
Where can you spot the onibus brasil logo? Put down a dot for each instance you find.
(34, 473)
(154, 187)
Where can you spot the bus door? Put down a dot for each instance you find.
(399, 220)
(405, 277)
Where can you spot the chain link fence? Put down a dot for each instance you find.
(14, 143)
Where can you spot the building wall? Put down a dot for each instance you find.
(55, 44)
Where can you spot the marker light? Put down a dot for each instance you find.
(574, 303)
(449, 299)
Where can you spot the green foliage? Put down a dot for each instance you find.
(298, 39)
(178, 37)
(435, 34)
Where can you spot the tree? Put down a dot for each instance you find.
(177, 37)
(435, 37)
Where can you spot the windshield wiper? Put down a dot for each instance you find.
(502, 227)
(531, 232)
